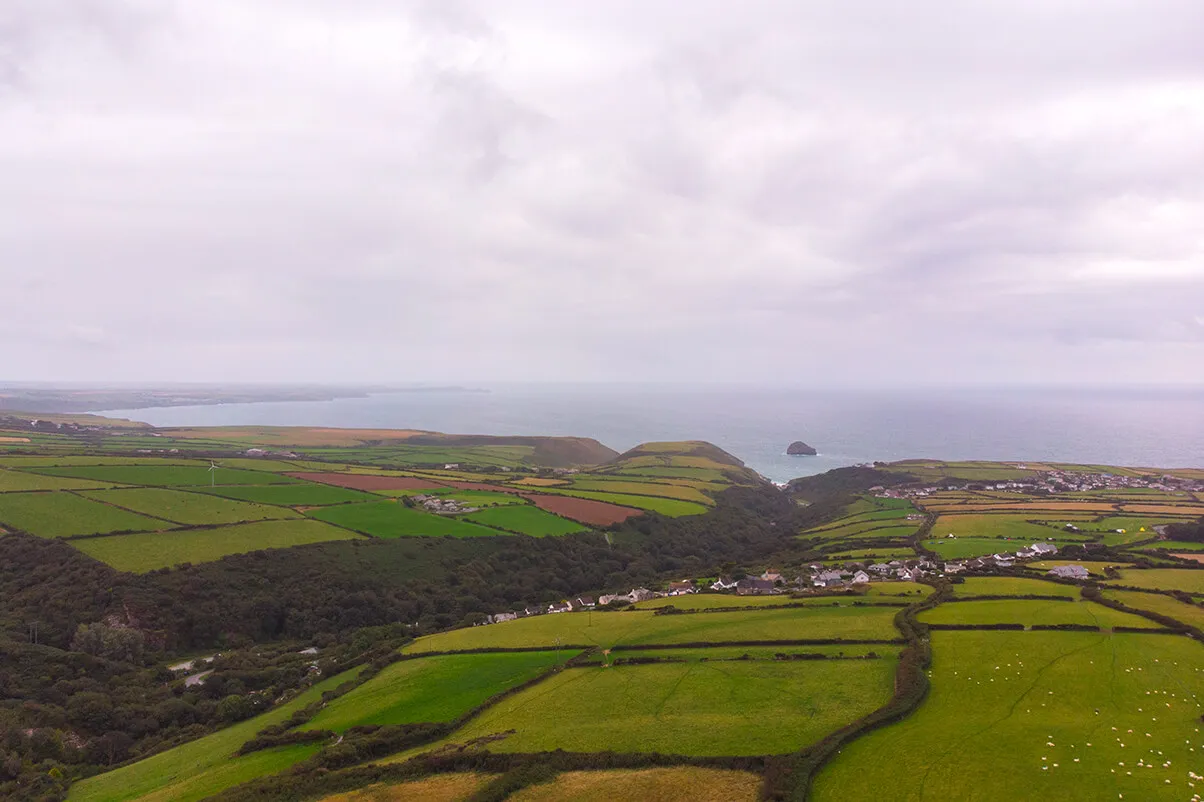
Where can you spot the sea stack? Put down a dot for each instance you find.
(800, 449)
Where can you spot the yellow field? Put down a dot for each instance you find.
(662, 785)
(1193, 510)
(439, 788)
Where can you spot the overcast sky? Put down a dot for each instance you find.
(861, 191)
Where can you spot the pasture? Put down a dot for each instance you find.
(643, 489)
(665, 506)
(1056, 715)
(206, 766)
(525, 519)
(1002, 527)
(455, 787)
(65, 514)
(192, 509)
(635, 627)
(19, 482)
(675, 784)
(1032, 611)
(140, 553)
(168, 475)
(594, 513)
(299, 495)
(1012, 586)
(688, 708)
(480, 498)
(1184, 579)
(432, 689)
(390, 519)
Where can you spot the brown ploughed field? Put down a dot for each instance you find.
(586, 511)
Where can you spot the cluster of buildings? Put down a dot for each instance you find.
(1057, 481)
(813, 577)
(442, 506)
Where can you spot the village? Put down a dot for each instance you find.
(813, 579)
(1053, 482)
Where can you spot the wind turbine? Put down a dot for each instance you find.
(212, 473)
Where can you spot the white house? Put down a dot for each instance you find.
(860, 578)
(1044, 549)
(1069, 572)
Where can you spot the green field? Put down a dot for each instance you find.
(607, 629)
(963, 547)
(390, 519)
(704, 474)
(1012, 586)
(1005, 527)
(1185, 579)
(170, 475)
(146, 552)
(741, 653)
(1038, 715)
(665, 506)
(479, 498)
(675, 784)
(66, 514)
(308, 494)
(204, 767)
(432, 689)
(1032, 611)
(525, 519)
(1190, 614)
(873, 529)
(644, 489)
(718, 708)
(192, 509)
(19, 481)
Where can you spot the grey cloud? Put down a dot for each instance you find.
(472, 191)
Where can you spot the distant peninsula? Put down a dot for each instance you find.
(800, 449)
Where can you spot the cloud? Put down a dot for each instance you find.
(474, 191)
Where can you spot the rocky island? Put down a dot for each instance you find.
(800, 449)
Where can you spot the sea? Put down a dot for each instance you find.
(1136, 426)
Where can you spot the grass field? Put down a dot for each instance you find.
(1183, 579)
(1190, 614)
(1010, 527)
(481, 498)
(525, 519)
(677, 784)
(433, 689)
(435, 788)
(146, 552)
(65, 514)
(644, 489)
(638, 627)
(299, 495)
(390, 519)
(688, 708)
(1012, 586)
(1093, 568)
(883, 553)
(205, 766)
(1050, 712)
(741, 653)
(890, 527)
(963, 547)
(19, 481)
(187, 508)
(1033, 611)
(665, 506)
(169, 475)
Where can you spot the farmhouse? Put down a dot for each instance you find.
(1044, 549)
(678, 588)
(860, 578)
(881, 568)
(584, 603)
(754, 587)
(954, 568)
(1069, 572)
(723, 583)
(772, 575)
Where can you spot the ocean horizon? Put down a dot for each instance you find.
(1155, 427)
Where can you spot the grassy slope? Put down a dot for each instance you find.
(145, 552)
(1038, 699)
(1012, 586)
(389, 519)
(17, 481)
(665, 506)
(170, 476)
(637, 627)
(527, 519)
(432, 689)
(678, 784)
(187, 508)
(307, 495)
(203, 767)
(1031, 611)
(722, 708)
(1163, 579)
(63, 514)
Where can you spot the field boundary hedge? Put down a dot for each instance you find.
(911, 687)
